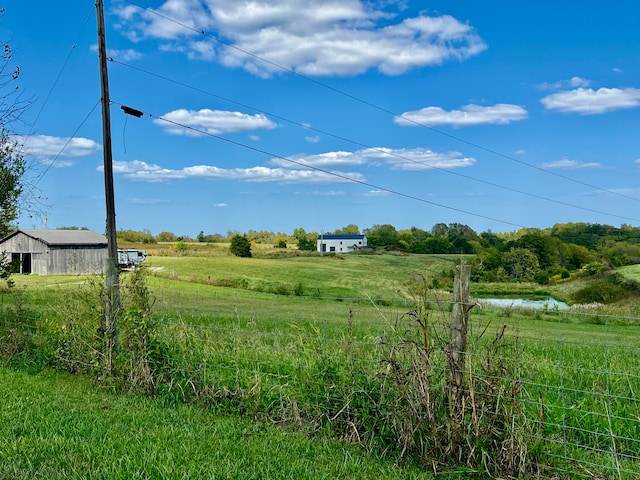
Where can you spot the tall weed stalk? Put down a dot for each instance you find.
(478, 426)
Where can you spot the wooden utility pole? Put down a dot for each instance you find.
(112, 275)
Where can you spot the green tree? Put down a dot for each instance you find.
(306, 241)
(181, 246)
(440, 230)
(350, 229)
(12, 164)
(261, 236)
(541, 246)
(383, 236)
(12, 169)
(240, 246)
(281, 240)
(521, 265)
(461, 237)
(166, 237)
(135, 236)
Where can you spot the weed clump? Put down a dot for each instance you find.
(450, 419)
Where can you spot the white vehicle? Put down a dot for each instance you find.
(130, 258)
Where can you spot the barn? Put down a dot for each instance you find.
(56, 252)
(341, 243)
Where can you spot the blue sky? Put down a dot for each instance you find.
(317, 114)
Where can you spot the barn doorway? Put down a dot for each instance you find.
(21, 263)
(26, 263)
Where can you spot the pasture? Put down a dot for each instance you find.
(316, 355)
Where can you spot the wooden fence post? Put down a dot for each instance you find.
(459, 326)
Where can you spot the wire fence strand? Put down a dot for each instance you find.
(578, 373)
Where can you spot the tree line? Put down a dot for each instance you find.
(529, 254)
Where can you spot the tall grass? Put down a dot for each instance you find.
(559, 389)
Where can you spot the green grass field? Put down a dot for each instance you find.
(631, 271)
(348, 276)
(56, 426)
(310, 356)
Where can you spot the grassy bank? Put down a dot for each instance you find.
(56, 426)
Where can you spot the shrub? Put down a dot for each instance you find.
(240, 246)
(602, 291)
(181, 246)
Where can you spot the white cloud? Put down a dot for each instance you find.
(332, 37)
(520, 152)
(418, 158)
(579, 82)
(500, 114)
(573, 82)
(321, 160)
(587, 101)
(201, 50)
(142, 171)
(211, 121)
(47, 148)
(314, 139)
(322, 193)
(56, 163)
(375, 193)
(398, 159)
(220, 205)
(568, 164)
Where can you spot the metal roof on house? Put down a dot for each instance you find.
(341, 237)
(65, 237)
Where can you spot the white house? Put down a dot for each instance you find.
(341, 243)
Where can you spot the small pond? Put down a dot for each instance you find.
(544, 304)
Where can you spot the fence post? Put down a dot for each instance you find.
(459, 326)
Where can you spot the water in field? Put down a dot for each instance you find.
(544, 304)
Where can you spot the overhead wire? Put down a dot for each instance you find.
(377, 107)
(319, 169)
(363, 145)
(39, 177)
(64, 66)
(64, 147)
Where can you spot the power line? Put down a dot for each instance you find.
(64, 65)
(53, 160)
(327, 172)
(378, 107)
(363, 145)
(44, 103)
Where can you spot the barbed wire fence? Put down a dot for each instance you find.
(336, 364)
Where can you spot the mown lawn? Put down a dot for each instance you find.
(56, 426)
(631, 271)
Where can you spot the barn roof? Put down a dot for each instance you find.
(65, 237)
